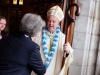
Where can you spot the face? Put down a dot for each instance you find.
(52, 23)
(2, 24)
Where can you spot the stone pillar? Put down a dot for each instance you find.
(86, 39)
(97, 72)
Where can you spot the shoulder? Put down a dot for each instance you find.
(3, 34)
(62, 34)
(32, 45)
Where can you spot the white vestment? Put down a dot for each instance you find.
(56, 62)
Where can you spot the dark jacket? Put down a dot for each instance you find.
(3, 34)
(19, 55)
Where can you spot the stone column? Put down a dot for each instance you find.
(86, 39)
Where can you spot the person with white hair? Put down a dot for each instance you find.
(19, 54)
(52, 44)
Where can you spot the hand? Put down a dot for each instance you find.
(66, 47)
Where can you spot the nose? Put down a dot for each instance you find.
(3, 25)
(50, 22)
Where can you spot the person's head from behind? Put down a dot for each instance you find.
(2, 23)
(54, 16)
(32, 24)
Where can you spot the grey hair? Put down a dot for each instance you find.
(32, 24)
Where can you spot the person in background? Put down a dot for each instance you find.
(52, 44)
(19, 55)
(3, 23)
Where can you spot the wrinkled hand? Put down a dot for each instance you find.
(66, 47)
